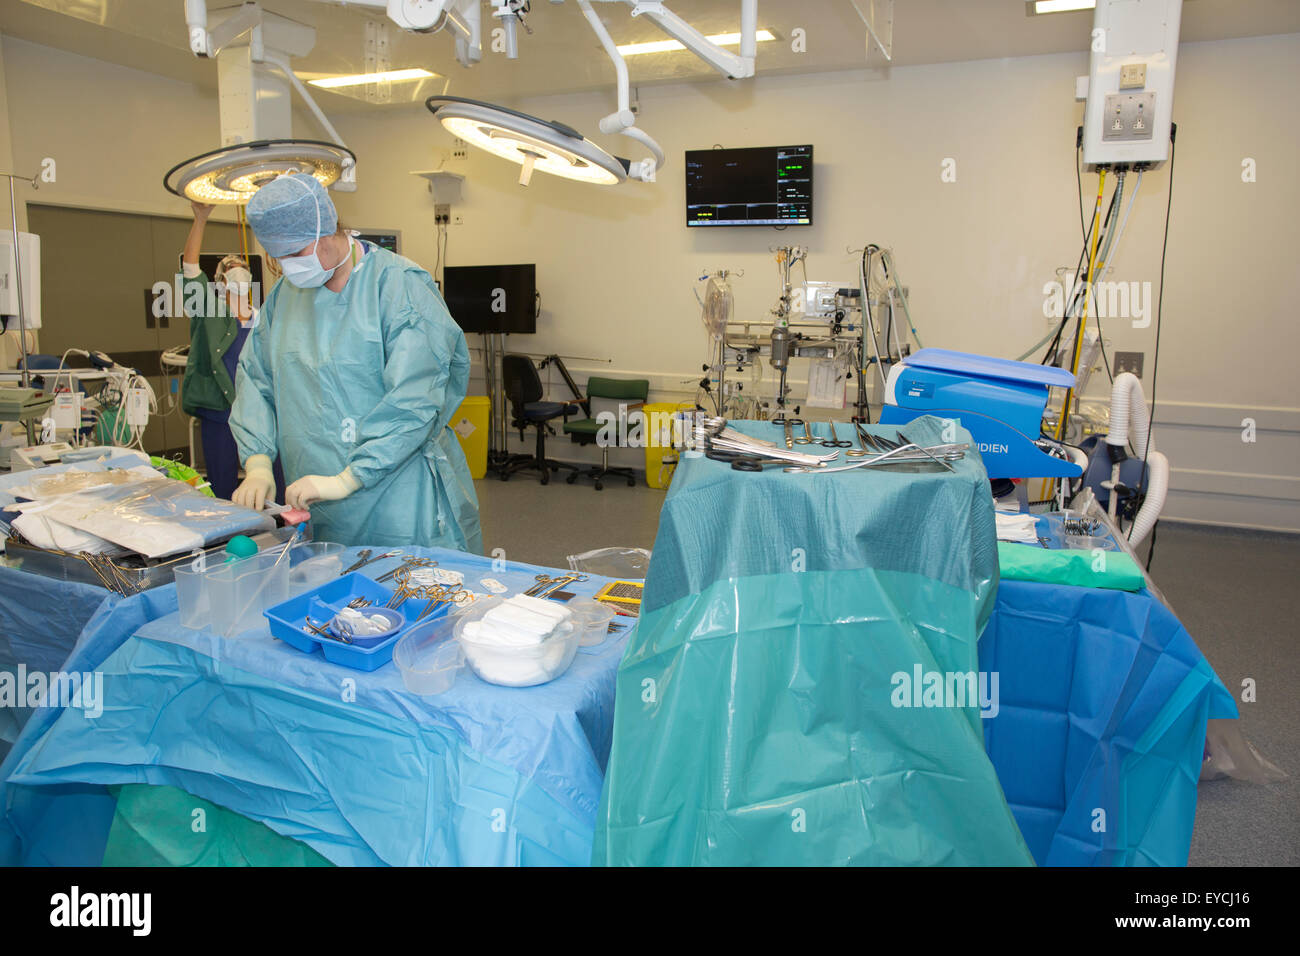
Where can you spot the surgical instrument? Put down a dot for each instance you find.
(1081, 526)
(362, 558)
(927, 454)
(365, 559)
(725, 439)
(324, 631)
(834, 441)
(807, 438)
(413, 562)
(554, 584)
(742, 462)
(861, 463)
(542, 581)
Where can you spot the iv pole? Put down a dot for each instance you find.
(18, 278)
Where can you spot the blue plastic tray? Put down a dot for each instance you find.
(288, 620)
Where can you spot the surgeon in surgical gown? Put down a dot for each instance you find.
(351, 375)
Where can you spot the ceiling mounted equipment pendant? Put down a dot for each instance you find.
(536, 144)
(231, 175)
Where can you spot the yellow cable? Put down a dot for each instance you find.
(1083, 317)
(243, 235)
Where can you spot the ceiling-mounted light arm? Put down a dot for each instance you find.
(725, 62)
(467, 26)
(461, 18)
(208, 43)
(623, 120)
(348, 179)
(881, 35)
(283, 66)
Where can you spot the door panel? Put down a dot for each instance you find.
(96, 268)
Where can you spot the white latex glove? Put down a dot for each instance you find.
(309, 489)
(258, 484)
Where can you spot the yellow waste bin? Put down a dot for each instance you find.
(471, 423)
(659, 441)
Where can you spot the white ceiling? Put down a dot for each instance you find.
(563, 56)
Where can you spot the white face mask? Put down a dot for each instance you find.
(306, 271)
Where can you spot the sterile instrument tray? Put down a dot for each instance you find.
(142, 573)
(288, 622)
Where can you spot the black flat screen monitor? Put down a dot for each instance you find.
(491, 299)
(758, 186)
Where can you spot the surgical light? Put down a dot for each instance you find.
(363, 79)
(230, 176)
(536, 144)
(667, 46)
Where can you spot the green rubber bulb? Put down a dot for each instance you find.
(240, 546)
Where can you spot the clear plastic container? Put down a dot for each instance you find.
(313, 564)
(228, 597)
(428, 657)
(1084, 542)
(593, 619)
(516, 666)
(627, 563)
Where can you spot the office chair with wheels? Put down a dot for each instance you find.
(523, 387)
(611, 396)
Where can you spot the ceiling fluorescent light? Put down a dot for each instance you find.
(362, 79)
(1061, 6)
(667, 46)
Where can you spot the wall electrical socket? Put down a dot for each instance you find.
(1128, 362)
(459, 150)
(458, 220)
(441, 213)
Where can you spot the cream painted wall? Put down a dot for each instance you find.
(9, 346)
(616, 265)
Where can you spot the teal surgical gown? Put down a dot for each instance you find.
(366, 378)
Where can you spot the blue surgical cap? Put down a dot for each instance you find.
(291, 212)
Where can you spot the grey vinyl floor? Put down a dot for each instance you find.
(1236, 592)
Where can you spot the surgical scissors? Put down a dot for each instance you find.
(742, 462)
(834, 441)
(807, 438)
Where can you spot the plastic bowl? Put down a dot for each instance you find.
(313, 564)
(428, 656)
(516, 666)
(593, 619)
(397, 621)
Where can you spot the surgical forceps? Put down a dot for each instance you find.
(438, 596)
(546, 586)
(807, 438)
(406, 567)
(364, 558)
